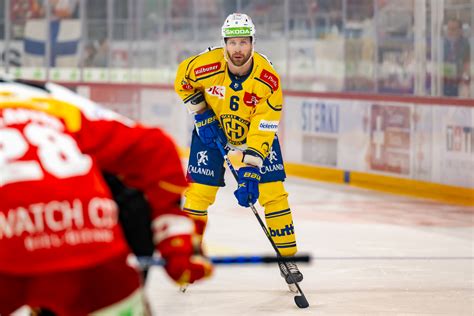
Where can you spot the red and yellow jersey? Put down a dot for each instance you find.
(248, 108)
(56, 212)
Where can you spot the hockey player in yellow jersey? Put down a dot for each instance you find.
(236, 97)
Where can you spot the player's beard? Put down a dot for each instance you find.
(240, 61)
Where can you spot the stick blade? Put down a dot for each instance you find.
(301, 301)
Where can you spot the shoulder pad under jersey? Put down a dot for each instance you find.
(207, 63)
(210, 48)
(266, 58)
(267, 74)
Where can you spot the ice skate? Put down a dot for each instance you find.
(297, 275)
(183, 288)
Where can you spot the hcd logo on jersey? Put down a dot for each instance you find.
(251, 99)
(217, 91)
(207, 69)
(202, 158)
(269, 78)
(235, 128)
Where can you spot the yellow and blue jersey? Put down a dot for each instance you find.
(248, 107)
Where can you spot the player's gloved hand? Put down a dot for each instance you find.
(209, 130)
(185, 262)
(180, 247)
(247, 190)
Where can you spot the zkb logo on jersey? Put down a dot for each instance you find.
(202, 158)
(235, 128)
(217, 91)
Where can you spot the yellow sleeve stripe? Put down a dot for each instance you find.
(254, 151)
(195, 212)
(190, 96)
(209, 76)
(260, 80)
(189, 63)
(276, 107)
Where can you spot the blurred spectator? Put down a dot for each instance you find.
(457, 52)
(60, 9)
(64, 9)
(208, 9)
(96, 54)
(20, 12)
(89, 54)
(24, 9)
(181, 8)
(102, 54)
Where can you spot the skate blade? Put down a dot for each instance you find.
(292, 287)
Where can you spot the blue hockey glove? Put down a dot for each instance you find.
(247, 190)
(209, 130)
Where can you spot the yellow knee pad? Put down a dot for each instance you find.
(274, 199)
(198, 199)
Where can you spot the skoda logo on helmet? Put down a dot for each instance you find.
(238, 31)
(237, 25)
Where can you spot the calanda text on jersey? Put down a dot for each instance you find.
(248, 107)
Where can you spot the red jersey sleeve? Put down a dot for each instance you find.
(144, 158)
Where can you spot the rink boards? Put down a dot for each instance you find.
(408, 145)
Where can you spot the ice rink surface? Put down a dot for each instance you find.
(374, 254)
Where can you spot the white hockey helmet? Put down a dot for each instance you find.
(14, 90)
(238, 25)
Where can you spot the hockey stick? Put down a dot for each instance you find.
(300, 300)
(146, 262)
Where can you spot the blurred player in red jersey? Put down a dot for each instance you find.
(61, 247)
